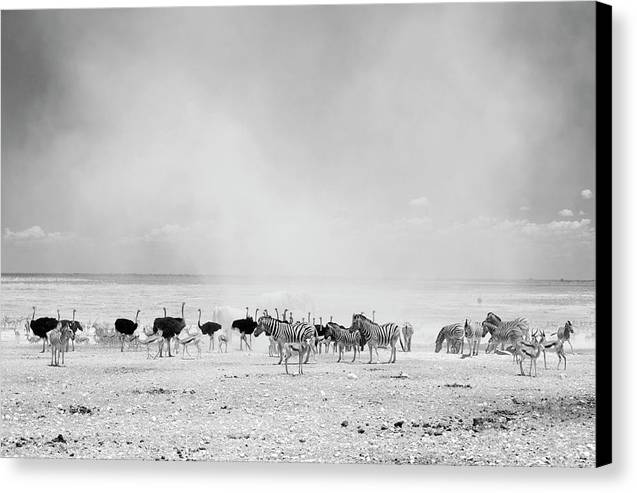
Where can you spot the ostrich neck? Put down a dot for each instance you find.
(199, 321)
(33, 317)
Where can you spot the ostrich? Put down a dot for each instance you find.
(209, 329)
(126, 327)
(170, 327)
(322, 338)
(245, 326)
(42, 326)
(284, 312)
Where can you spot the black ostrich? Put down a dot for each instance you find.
(209, 329)
(126, 327)
(320, 333)
(42, 326)
(170, 327)
(245, 326)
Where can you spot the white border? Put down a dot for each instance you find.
(104, 476)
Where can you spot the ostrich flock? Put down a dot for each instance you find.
(302, 338)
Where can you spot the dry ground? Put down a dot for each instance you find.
(241, 406)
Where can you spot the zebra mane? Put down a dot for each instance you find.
(492, 317)
(441, 336)
(363, 319)
(334, 324)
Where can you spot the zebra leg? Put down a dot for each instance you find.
(307, 353)
(355, 349)
(569, 343)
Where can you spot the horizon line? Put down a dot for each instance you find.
(327, 276)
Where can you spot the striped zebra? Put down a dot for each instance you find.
(343, 337)
(564, 334)
(285, 332)
(494, 325)
(507, 334)
(473, 332)
(376, 336)
(453, 334)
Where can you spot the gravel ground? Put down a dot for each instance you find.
(426, 409)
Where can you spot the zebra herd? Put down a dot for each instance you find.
(302, 338)
(512, 336)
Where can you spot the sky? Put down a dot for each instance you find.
(417, 141)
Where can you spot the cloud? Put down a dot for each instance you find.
(419, 202)
(566, 213)
(522, 227)
(35, 234)
(525, 208)
(568, 225)
(582, 213)
(587, 194)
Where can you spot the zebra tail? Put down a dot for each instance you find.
(400, 338)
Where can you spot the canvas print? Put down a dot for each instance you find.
(343, 234)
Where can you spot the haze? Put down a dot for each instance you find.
(450, 141)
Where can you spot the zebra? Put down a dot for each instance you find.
(494, 324)
(343, 337)
(453, 333)
(58, 338)
(375, 335)
(295, 347)
(509, 335)
(473, 332)
(564, 335)
(284, 332)
(408, 332)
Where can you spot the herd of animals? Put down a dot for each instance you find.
(302, 338)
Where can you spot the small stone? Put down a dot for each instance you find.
(344, 423)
